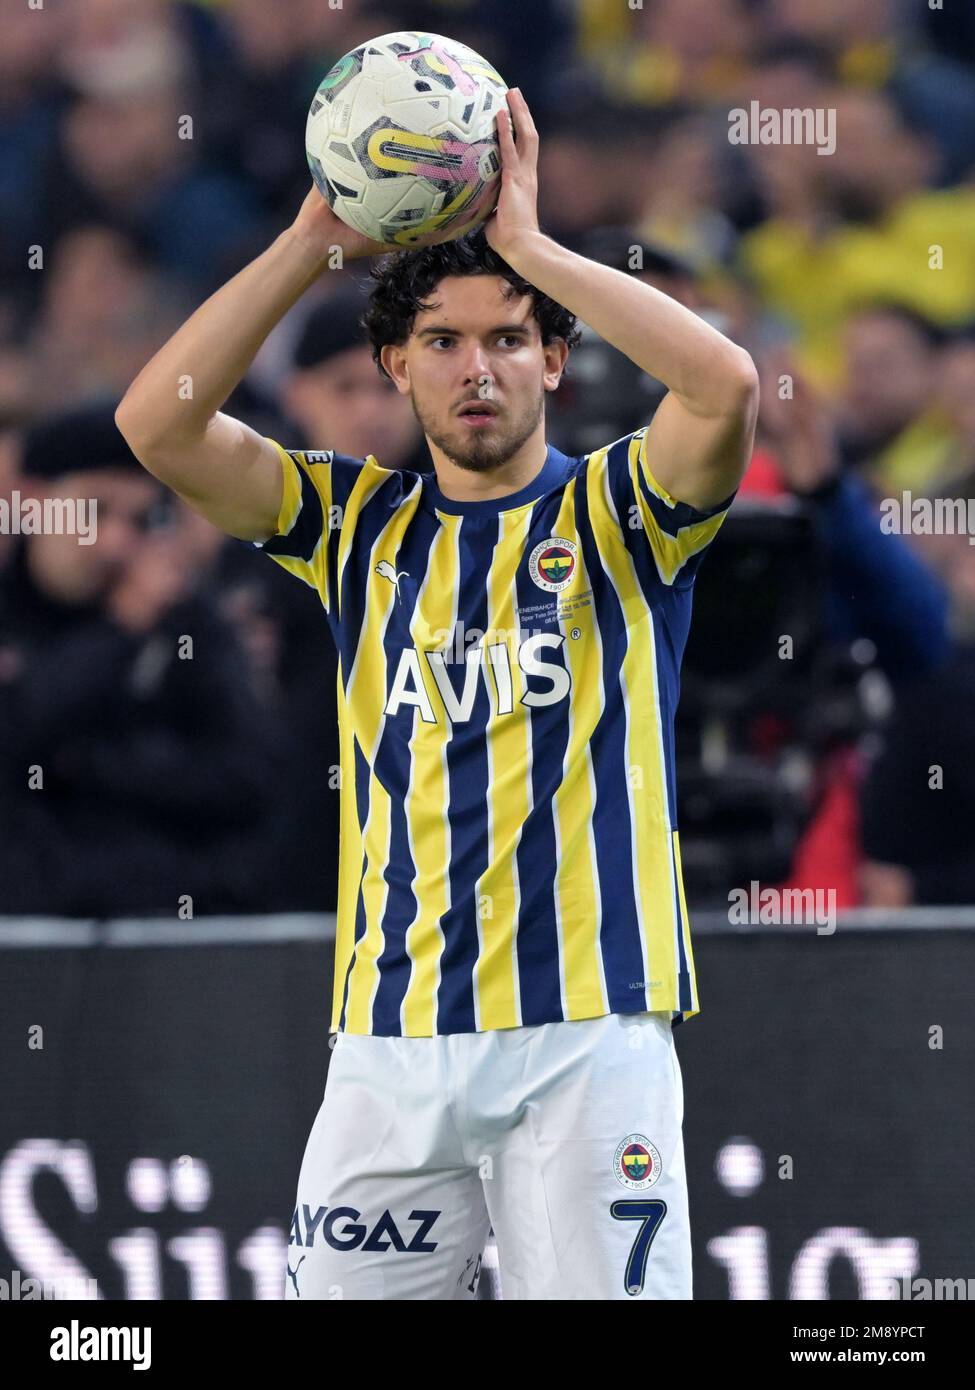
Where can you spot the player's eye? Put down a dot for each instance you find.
(502, 337)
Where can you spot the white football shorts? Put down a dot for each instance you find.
(563, 1137)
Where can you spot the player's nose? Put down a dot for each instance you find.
(477, 364)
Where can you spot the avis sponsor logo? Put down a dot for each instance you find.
(343, 1228)
(409, 688)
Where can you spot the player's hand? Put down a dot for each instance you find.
(318, 227)
(517, 210)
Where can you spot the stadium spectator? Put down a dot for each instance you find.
(876, 44)
(880, 589)
(337, 398)
(891, 424)
(605, 146)
(860, 225)
(133, 767)
(671, 51)
(103, 303)
(127, 155)
(274, 61)
(955, 387)
(29, 124)
(918, 802)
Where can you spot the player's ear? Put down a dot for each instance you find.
(556, 354)
(393, 358)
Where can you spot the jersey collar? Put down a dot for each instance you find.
(553, 472)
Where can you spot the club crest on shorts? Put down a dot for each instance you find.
(637, 1163)
(553, 563)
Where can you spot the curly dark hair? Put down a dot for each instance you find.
(404, 281)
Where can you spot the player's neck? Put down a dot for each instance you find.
(463, 485)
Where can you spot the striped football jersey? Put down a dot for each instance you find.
(507, 681)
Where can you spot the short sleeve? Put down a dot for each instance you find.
(301, 540)
(678, 534)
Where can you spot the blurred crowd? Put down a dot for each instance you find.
(167, 696)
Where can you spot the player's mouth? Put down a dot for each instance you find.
(478, 414)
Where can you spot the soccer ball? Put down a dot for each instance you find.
(401, 139)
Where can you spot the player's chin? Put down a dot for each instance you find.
(483, 441)
(481, 449)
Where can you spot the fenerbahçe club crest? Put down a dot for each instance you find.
(553, 563)
(637, 1163)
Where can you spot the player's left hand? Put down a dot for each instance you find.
(517, 210)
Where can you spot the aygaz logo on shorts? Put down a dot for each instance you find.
(637, 1163)
(553, 563)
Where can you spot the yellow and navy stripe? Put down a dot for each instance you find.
(509, 842)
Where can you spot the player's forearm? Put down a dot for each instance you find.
(669, 342)
(190, 377)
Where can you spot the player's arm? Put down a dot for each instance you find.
(171, 414)
(700, 439)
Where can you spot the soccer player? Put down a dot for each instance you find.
(512, 949)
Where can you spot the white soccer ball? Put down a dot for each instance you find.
(401, 139)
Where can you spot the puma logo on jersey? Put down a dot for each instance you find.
(293, 1274)
(388, 572)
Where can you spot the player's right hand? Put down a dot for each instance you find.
(318, 227)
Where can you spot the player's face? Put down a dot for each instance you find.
(478, 342)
